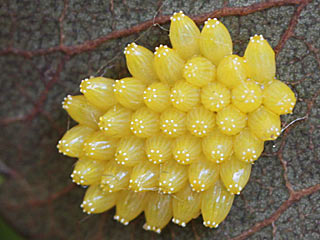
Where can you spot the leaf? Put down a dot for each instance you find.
(48, 47)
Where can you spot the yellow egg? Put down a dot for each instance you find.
(116, 121)
(279, 98)
(203, 174)
(199, 71)
(217, 147)
(215, 205)
(260, 57)
(200, 121)
(71, 144)
(130, 151)
(115, 177)
(129, 206)
(247, 147)
(158, 211)
(215, 41)
(129, 92)
(184, 35)
(157, 96)
(98, 201)
(99, 146)
(87, 171)
(215, 96)
(265, 124)
(145, 123)
(140, 63)
(186, 206)
(231, 121)
(173, 122)
(247, 96)
(184, 96)
(186, 149)
(144, 177)
(173, 177)
(235, 174)
(99, 92)
(81, 111)
(231, 71)
(159, 149)
(168, 64)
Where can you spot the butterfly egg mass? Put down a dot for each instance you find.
(177, 138)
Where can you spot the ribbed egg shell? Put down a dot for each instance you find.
(71, 144)
(115, 177)
(98, 201)
(178, 137)
(99, 92)
(235, 174)
(81, 110)
(186, 206)
(129, 206)
(184, 35)
(215, 205)
(158, 211)
(203, 174)
(215, 38)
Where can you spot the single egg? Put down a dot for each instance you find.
(184, 35)
(231, 71)
(265, 124)
(129, 92)
(129, 206)
(215, 38)
(99, 92)
(199, 71)
(215, 96)
(184, 96)
(168, 64)
(235, 174)
(144, 123)
(116, 121)
(157, 96)
(173, 122)
(144, 177)
(215, 205)
(71, 144)
(247, 96)
(260, 57)
(247, 147)
(115, 177)
(279, 98)
(99, 146)
(203, 174)
(173, 177)
(87, 171)
(158, 211)
(200, 121)
(231, 121)
(140, 63)
(98, 201)
(81, 110)
(217, 147)
(186, 206)
(159, 149)
(130, 151)
(186, 149)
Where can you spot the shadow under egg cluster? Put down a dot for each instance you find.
(177, 139)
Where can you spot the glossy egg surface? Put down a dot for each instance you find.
(178, 137)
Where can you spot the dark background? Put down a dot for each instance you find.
(48, 47)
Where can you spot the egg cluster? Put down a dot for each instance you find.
(177, 139)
